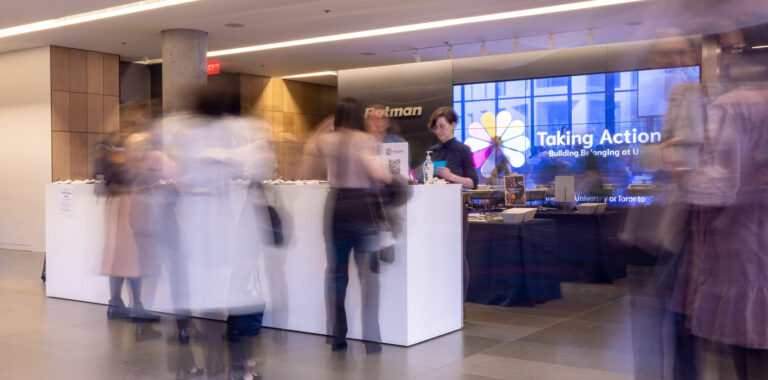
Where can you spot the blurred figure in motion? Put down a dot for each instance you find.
(353, 172)
(220, 239)
(378, 124)
(122, 258)
(312, 166)
(661, 230)
(153, 214)
(722, 288)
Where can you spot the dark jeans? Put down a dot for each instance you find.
(351, 221)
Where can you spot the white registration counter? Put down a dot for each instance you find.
(420, 293)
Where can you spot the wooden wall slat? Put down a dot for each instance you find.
(111, 77)
(60, 155)
(95, 73)
(77, 70)
(60, 110)
(266, 100)
(95, 113)
(59, 68)
(78, 112)
(78, 155)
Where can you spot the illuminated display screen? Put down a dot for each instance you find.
(549, 126)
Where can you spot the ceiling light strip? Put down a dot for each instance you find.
(317, 74)
(120, 10)
(425, 26)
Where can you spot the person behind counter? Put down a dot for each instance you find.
(378, 124)
(459, 167)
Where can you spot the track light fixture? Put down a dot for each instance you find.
(482, 49)
(516, 45)
(551, 41)
(449, 50)
(591, 36)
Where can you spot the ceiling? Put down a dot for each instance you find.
(137, 36)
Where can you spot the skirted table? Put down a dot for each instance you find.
(512, 264)
(587, 246)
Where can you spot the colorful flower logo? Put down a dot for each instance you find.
(497, 135)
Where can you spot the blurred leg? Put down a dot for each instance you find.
(369, 292)
(686, 351)
(116, 308)
(337, 279)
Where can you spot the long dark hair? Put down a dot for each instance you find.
(349, 115)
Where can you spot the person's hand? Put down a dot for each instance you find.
(445, 173)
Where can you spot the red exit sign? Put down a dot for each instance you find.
(213, 68)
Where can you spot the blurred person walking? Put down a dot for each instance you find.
(722, 288)
(353, 172)
(122, 260)
(661, 230)
(220, 239)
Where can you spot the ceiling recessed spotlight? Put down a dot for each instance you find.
(367, 53)
(327, 10)
(123, 43)
(234, 25)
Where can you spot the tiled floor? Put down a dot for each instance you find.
(584, 335)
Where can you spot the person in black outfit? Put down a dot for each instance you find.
(459, 167)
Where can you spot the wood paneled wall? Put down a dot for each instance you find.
(85, 100)
(291, 108)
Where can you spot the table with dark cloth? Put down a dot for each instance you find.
(588, 248)
(512, 264)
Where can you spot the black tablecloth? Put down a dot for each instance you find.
(512, 264)
(587, 245)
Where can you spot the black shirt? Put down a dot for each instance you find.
(458, 158)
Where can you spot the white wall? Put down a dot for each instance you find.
(25, 147)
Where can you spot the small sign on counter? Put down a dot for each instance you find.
(66, 196)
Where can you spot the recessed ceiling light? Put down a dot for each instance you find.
(234, 25)
(120, 10)
(317, 74)
(367, 53)
(426, 26)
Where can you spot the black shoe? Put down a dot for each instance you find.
(138, 314)
(339, 346)
(117, 311)
(183, 336)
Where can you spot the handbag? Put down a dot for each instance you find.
(381, 239)
(273, 225)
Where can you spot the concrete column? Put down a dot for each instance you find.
(184, 63)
